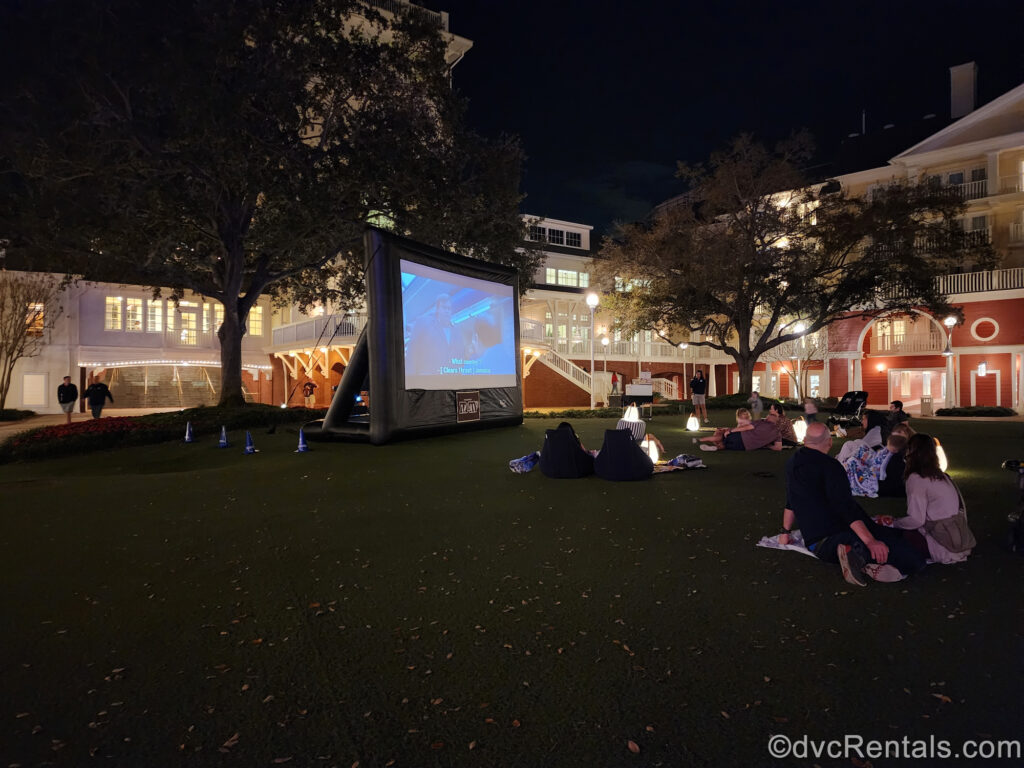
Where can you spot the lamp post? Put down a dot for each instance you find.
(605, 341)
(950, 399)
(592, 300)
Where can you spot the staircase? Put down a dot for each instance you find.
(568, 369)
(164, 386)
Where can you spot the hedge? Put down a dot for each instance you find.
(101, 434)
(13, 414)
(976, 410)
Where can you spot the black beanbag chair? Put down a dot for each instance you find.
(621, 458)
(562, 455)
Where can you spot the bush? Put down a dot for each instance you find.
(976, 410)
(100, 434)
(576, 413)
(12, 414)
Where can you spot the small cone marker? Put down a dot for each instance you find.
(223, 438)
(303, 447)
(249, 447)
(188, 433)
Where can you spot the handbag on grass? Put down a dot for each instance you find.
(953, 533)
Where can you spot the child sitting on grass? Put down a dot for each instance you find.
(873, 473)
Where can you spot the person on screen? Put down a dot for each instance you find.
(435, 342)
(489, 351)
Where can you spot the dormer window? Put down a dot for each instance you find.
(556, 236)
(538, 234)
(573, 239)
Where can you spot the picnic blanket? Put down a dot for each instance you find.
(796, 543)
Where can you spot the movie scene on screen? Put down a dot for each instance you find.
(459, 331)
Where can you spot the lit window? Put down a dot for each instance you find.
(574, 239)
(256, 321)
(133, 315)
(155, 318)
(550, 275)
(112, 315)
(556, 236)
(218, 316)
(567, 277)
(549, 330)
(173, 316)
(35, 319)
(584, 280)
(538, 234)
(206, 318)
(905, 383)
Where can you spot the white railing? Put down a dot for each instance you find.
(666, 388)
(325, 330)
(398, 7)
(568, 369)
(981, 282)
(908, 343)
(1009, 184)
(1017, 232)
(972, 190)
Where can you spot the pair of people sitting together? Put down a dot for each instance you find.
(620, 457)
(837, 530)
(774, 431)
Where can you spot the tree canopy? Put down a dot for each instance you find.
(757, 255)
(238, 147)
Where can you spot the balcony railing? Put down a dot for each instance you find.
(1011, 184)
(972, 190)
(981, 282)
(1017, 232)
(398, 7)
(907, 343)
(325, 330)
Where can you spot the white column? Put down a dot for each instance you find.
(993, 172)
(1018, 395)
(712, 388)
(858, 379)
(950, 384)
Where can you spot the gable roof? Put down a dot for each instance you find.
(1002, 116)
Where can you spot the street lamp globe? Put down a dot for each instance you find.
(592, 300)
(949, 322)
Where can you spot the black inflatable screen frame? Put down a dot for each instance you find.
(378, 359)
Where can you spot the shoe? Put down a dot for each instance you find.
(707, 421)
(852, 565)
(707, 447)
(886, 573)
(840, 431)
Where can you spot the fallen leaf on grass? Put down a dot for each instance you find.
(279, 760)
(943, 698)
(230, 742)
(633, 747)
(472, 745)
(437, 745)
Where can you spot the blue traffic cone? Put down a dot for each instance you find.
(249, 447)
(303, 447)
(223, 438)
(188, 433)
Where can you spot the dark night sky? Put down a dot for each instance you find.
(607, 96)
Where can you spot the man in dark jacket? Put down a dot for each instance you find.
(833, 525)
(96, 394)
(67, 396)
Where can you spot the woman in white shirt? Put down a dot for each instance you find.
(931, 495)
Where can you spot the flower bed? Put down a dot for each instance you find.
(13, 414)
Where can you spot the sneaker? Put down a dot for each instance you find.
(707, 447)
(707, 421)
(852, 565)
(840, 431)
(886, 573)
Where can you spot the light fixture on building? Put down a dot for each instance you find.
(880, 367)
(683, 345)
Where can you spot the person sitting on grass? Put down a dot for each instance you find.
(786, 430)
(870, 471)
(747, 435)
(810, 409)
(871, 421)
(835, 529)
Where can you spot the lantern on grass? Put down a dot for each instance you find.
(693, 423)
(650, 447)
(943, 461)
(800, 428)
(632, 414)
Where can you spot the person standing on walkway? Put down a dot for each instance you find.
(309, 393)
(96, 394)
(615, 383)
(67, 396)
(699, 388)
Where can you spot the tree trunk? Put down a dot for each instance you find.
(230, 334)
(746, 369)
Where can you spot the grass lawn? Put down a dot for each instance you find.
(418, 604)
